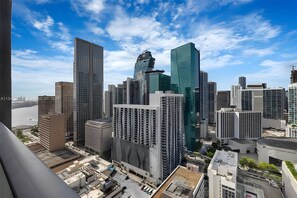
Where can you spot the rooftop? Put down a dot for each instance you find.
(181, 182)
(281, 142)
(100, 121)
(248, 183)
(224, 158)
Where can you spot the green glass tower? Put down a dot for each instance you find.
(159, 82)
(185, 70)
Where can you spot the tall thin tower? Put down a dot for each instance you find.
(185, 72)
(87, 87)
(293, 75)
(5, 62)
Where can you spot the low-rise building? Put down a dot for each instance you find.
(242, 146)
(222, 174)
(182, 183)
(98, 137)
(275, 150)
(291, 131)
(289, 181)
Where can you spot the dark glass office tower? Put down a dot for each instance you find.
(88, 86)
(185, 71)
(5, 62)
(293, 75)
(145, 62)
(242, 82)
(212, 97)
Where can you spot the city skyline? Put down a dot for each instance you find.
(235, 38)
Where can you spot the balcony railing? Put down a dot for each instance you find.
(26, 175)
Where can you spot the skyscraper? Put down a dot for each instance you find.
(110, 100)
(150, 140)
(5, 62)
(242, 82)
(158, 82)
(46, 104)
(185, 70)
(292, 103)
(203, 113)
(145, 62)
(271, 102)
(64, 105)
(223, 99)
(88, 86)
(236, 96)
(293, 75)
(212, 98)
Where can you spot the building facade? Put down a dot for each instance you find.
(99, 137)
(223, 99)
(64, 105)
(52, 131)
(242, 82)
(238, 124)
(110, 100)
(158, 81)
(87, 88)
(291, 131)
(236, 96)
(271, 102)
(5, 62)
(275, 150)
(212, 104)
(288, 180)
(149, 139)
(46, 104)
(292, 103)
(185, 71)
(204, 103)
(222, 173)
(293, 75)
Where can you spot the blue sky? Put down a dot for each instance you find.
(252, 38)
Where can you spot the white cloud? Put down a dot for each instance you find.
(31, 60)
(93, 27)
(35, 75)
(259, 52)
(90, 8)
(234, 2)
(255, 27)
(63, 40)
(44, 25)
(279, 71)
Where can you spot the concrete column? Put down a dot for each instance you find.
(5, 62)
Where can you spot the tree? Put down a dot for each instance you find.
(249, 162)
(268, 167)
(209, 154)
(19, 133)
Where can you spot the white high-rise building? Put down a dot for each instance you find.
(233, 123)
(149, 139)
(236, 96)
(292, 103)
(222, 173)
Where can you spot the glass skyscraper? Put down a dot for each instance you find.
(88, 86)
(185, 71)
(145, 62)
(159, 82)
